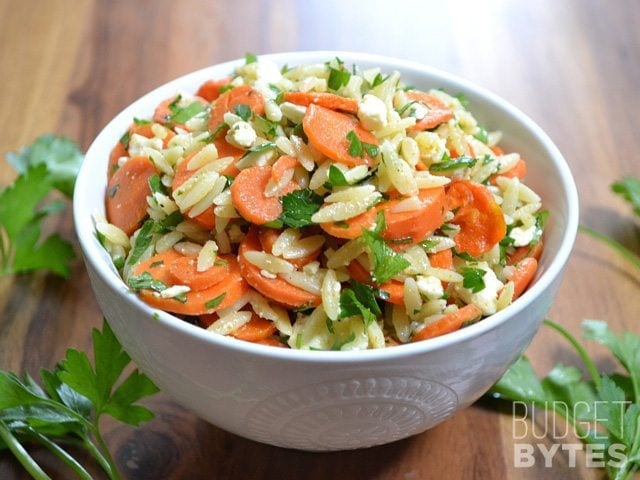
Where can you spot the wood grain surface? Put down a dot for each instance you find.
(68, 66)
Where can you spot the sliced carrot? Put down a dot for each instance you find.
(352, 227)
(247, 194)
(276, 289)
(127, 191)
(449, 323)
(497, 150)
(479, 217)
(438, 112)
(268, 237)
(393, 288)
(284, 163)
(143, 129)
(184, 271)
(534, 251)
(210, 90)
(326, 100)
(255, 330)
(158, 266)
(196, 302)
(242, 95)
(327, 130)
(519, 170)
(524, 272)
(225, 149)
(116, 154)
(442, 259)
(206, 219)
(412, 226)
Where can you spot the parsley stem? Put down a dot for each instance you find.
(61, 454)
(105, 458)
(586, 359)
(615, 245)
(26, 460)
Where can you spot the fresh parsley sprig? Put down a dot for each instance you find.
(49, 163)
(67, 409)
(603, 409)
(386, 263)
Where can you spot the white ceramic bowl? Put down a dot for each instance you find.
(332, 400)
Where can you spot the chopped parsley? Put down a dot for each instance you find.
(338, 77)
(263, 147)
(448, 164)
(243, 111)
(358, 148)
(386, 263)
(167, 223)
(183, 114)
(214, 302)
(298, 207)
(378, 79)
(482, 134)
(337, 178)
(250, 58)
(143, 240)
(360, 299)
(146, 281)
(473, 279)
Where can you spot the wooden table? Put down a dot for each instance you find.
(68, 66)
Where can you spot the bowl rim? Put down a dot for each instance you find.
(94, 254)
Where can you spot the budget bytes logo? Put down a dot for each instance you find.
(536, 425)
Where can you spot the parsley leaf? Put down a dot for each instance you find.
(183, 114)
(243, 111)
(449, 164)
(358, 148)
(604, 409)
(146, 281)
(250, 58)
(472, 278)
(20, 225)
(298, 207)
(386, 262)
(337, 78)
(360, 299)
(378, 79)
(68, 408)
(629, 189)
(142, 242)
(61, 156)
(482, 134)
(214, 302)
(336, 177)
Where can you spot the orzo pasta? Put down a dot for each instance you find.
(320, 207)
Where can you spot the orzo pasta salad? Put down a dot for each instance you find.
(320, 207)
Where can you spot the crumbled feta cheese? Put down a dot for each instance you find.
(138, 144)
(241, 135)
(487, 298)
(268, 71)
(293, 112)
(522, 236)
(429, 286)
(418, 111)
(372, 112)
